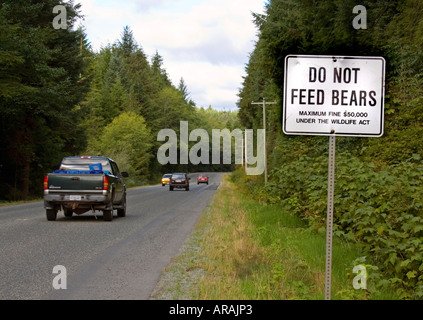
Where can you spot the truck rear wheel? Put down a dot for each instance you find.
(51, 214)
(122, 212)
(108, 212)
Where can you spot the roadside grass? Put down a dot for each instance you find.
(5, 203)
(244, 250)
(254, 251)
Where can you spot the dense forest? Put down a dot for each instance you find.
(379, 181)
(58, 97)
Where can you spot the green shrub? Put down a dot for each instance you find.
(382, 208)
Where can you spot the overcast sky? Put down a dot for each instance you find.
(205, 42)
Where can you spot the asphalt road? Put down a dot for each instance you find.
(122, 259)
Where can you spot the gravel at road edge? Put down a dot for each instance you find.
(179, 279)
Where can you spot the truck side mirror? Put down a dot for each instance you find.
(124, 174)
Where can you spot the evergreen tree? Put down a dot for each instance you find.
(158, 71)
(325, 28)
(182, 87)
(127, 44)
(42, 80)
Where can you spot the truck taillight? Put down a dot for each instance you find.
(105, 183)
(45, 182)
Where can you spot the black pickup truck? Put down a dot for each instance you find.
(85, 183)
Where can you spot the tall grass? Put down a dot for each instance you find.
(254, 251)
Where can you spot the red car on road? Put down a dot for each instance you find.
(202, 178)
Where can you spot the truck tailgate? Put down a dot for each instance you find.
(75, 182)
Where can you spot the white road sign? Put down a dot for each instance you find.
(334, 96)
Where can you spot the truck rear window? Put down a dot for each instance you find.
(77, 164)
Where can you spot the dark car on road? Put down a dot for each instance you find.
(179, 180)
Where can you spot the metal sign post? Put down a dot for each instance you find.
(329, 217)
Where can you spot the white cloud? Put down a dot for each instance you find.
(218, 81)
(206, 42)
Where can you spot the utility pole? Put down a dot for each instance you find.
(264, 127)
(244, 150)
